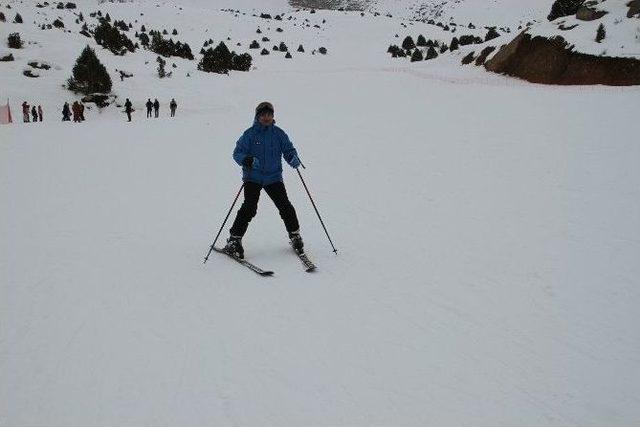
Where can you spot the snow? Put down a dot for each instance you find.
(488, 234)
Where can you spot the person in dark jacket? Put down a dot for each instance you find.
(149, 105)
(259, 151)
(25, 112)
(40, 112)
(128, 108)
(156, 107)
(34, 113)
(172, 106)
(66, 112)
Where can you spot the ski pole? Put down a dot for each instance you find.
(223, 223)
(314, 207)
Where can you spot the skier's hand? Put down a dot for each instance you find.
(251, 162)
(295, 162)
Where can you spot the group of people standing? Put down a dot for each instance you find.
(153, 108)
(77, 109)
(36, 113)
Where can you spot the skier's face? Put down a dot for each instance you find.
(266, 118)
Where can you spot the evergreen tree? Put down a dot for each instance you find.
(454, 44)
(216, 60)
(17, 19)
(2, 17)
(89, 75)
(421, 41)
(300, 48)
(161, 63)
(431, 53)
(408, 43)
(254, 45)
(601, 33)
(417, 55)
(14, 41)
(492, 34)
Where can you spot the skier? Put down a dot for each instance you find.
(128, 108)
(149, 105)
(34, 113)
(66, 113)
(25, 112)
(259, 151)
(40, 112)
(156, 107)
(172, 106)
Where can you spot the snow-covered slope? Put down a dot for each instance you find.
(488, 240)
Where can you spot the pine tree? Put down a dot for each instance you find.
(491, 34)
(601, 33)
(89, 75)
(421, 41)
(17, 19)
(417, 56)
(408, 43)
(14, 41)
(161, 63)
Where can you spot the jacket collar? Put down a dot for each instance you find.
(258, 126)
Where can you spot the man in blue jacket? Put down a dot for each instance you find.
(259, 151)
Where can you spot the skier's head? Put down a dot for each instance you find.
(264, 113)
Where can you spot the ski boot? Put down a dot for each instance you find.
(296, 242)
(234, 247)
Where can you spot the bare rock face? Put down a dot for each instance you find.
(585, 13)
(551, 61)
(634, 9)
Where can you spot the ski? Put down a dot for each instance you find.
(246, 263)
(309, 266)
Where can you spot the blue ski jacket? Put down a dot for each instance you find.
(269, 144)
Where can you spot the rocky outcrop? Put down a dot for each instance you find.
(551, 61)
(634, 9)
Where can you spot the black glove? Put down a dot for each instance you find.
(248, 161)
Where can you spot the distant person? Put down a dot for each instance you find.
(156, 107)
(149, 105)
(81, 111)
(25, 112)
(128, 108)
(75, 108)
(40, 112)
(66, 112)
(34, 113)
(172, 106)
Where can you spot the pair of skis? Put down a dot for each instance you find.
(306, 262)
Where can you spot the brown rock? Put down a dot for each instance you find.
(634, 9)
(550, 61)
(587, 14)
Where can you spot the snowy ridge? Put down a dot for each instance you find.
(622, 33)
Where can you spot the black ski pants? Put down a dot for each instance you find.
(277, 193)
